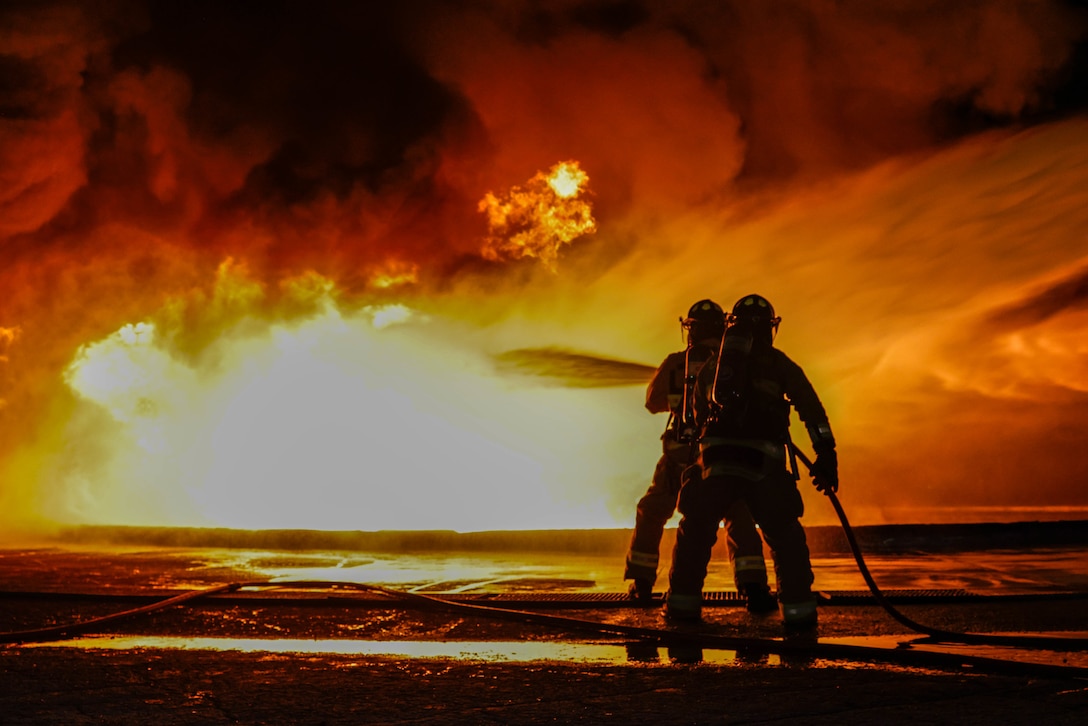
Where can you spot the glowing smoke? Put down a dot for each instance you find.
(904, 182)
(331, 422)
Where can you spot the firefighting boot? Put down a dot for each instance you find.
(641, 591)
(683, 608)
(800, 617)
(758, 598)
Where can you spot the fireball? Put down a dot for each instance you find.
(538, 219)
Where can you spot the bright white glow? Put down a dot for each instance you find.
(388, 315)
(341, 423)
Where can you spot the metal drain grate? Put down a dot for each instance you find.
(853, 597)
(720, 598)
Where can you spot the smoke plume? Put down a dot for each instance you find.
(201, 202)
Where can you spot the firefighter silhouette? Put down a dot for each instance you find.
(742, 399)
(671, 391)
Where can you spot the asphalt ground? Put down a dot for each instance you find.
(339, 653)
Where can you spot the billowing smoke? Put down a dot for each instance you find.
(192, 193)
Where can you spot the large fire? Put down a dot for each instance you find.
(276, 266)
(340, 419)
(538, 219)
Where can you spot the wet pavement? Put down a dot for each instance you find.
(334, 650)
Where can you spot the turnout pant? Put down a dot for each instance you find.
(659, 503)
(775, 504)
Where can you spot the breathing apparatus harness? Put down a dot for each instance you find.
(702, 317)
(752, 320)
(729, 391)
(686, 431)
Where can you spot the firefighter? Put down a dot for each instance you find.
(742, 399)
(704, 325)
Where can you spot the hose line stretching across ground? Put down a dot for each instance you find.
(935, 634)
(808, 648)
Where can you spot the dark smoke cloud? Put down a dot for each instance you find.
(205, 119)
(217, 116)
(332, 83)
(335, 135)
(825, 85)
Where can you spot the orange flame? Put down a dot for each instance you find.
(7, 339)
(394, 273)
(535, 221)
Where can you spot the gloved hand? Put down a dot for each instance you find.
(825, 471)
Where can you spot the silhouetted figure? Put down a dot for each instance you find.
(742, 404)
(670, 390)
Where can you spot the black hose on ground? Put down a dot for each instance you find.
(803, 646)
(936, 634)
(678, 638)
(59, 632)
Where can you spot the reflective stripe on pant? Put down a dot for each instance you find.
(799, 613)
(655, 508)
(684, 604)
(641, 566)
(749, 571)
(745, 546)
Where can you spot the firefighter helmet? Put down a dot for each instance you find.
(705, 320)
(757, 313)
(705, 311)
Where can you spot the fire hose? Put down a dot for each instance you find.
(671, 638)
(935, 634)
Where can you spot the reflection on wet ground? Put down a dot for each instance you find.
(1078, 659)
(338, 654)
(489, 651)
(131, 570)
(642, 653)
(492, 651)
(256, 625)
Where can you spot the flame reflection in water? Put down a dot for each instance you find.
(489, 651)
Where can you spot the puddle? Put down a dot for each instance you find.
(596, 654)
(488, 651)
(557, 651)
